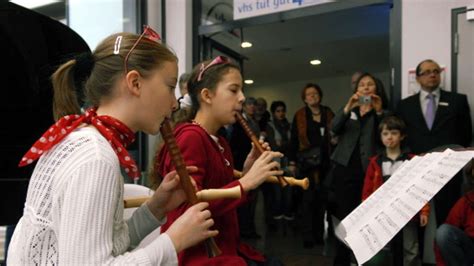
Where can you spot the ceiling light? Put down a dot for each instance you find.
(248, 81)
(246, 44)
(315, 62)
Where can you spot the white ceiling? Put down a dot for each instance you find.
(345, 41)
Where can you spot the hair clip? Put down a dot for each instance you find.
(118, 41)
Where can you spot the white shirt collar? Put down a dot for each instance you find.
(436, 93)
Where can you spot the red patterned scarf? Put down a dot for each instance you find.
(116, 132)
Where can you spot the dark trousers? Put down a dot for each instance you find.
(282, 201)
(268, 200)
(455, 246)
(246, 215)
(313, 209)
(347, 186)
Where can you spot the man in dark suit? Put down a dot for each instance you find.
(434, 118)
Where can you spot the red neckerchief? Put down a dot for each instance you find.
(116, 132)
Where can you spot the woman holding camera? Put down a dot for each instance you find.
(356, 127)
(309, 152)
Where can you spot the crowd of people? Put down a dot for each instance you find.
(74, 209)
(347, 155)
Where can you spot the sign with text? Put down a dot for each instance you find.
(253, 8)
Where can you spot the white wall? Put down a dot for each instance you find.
(426, 33)
(178, 16)
(336, 92)
(179, 32)
(85, 16)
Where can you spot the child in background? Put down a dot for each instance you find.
(381, 167)
(278, 136)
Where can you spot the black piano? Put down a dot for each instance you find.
(31, 47)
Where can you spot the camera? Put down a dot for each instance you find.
(365, 99)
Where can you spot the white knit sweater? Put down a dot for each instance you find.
(74, 211)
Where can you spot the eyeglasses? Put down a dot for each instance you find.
(429, 72)
(148, 33)
(217, 61)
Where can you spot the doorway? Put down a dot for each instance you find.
(463, 54)
(278, 62)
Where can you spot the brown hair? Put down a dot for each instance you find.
(106, 69)
(379, 88)
(312, 85)
(210, 78)
(393, 123)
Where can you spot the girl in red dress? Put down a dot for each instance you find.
(215, 88)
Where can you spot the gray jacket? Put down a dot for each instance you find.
(350, 133)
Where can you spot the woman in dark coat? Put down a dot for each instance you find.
(310, 137)
(356, 127)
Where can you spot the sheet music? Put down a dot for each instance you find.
(368, 228)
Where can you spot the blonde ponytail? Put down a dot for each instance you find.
(65, 100)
